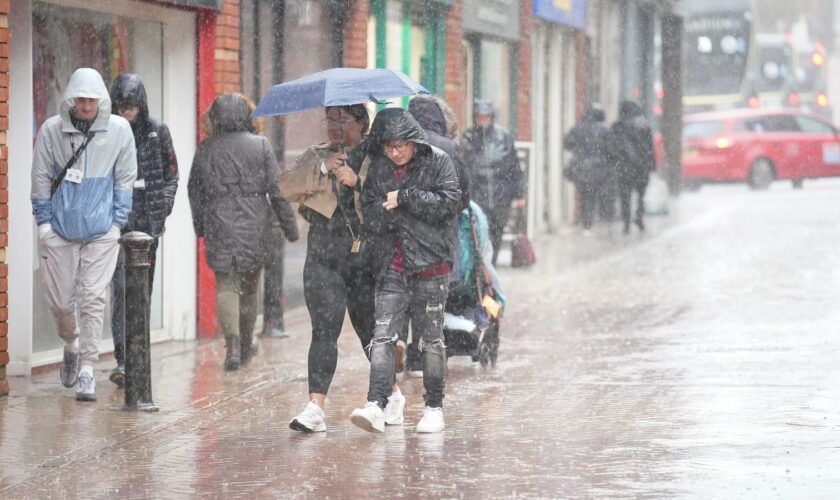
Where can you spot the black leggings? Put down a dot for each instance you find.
(329, 291)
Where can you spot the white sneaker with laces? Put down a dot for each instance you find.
(394, 409)
(432, 420)
(311, 419)
(370, 418)
(86, 389)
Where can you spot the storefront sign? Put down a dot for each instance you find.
(568, 12)
(204, 4)
(497, 18)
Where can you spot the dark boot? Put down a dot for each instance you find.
(248, 347)
(233, 357)
(640, 224)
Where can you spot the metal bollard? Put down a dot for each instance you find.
(138, 363)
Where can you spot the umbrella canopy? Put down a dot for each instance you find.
(337, 87)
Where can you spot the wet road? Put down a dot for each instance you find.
(697, 361)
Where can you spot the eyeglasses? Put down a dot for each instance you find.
(336, 124)
(396, 146)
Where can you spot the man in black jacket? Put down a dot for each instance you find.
(154, 194)
(496, 180)
(409, 198)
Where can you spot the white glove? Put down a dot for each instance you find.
(43, 229)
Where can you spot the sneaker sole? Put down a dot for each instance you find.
(86, 398)
(364, 424)
(430, 431)
(401, 421)
(295, 425)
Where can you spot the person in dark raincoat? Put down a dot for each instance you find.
(337, 277)
(588, 142)
(632, 151)
(409, 200)
(496, 180)
(154, 195)
(234, 196)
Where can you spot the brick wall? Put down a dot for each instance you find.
(226, 54)
(355, 34)
(524, 86)
(4, 194)
(455, 72)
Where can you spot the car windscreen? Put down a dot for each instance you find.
(701, 130)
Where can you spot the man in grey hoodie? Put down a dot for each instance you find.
(80, 206)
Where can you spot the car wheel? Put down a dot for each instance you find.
(797, 183)
(692, 185)
(761, 175)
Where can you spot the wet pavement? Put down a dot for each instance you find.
(699, 360)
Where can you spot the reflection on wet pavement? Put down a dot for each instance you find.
(697, 360)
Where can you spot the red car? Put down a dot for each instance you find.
(758, 146)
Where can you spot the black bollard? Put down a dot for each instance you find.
(138, 362)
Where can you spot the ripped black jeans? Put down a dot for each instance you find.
(401, 297)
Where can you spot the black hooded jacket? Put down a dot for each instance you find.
(157, 166)
(427, 112)
(233, 189)
(428, 198)
(589, 142)
(632, 144)
(495, 175)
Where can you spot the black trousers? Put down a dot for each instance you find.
(329, 291)
(118, 299)
(401, 298)
(626, 188)
(588, 200)
(273, 281)
(498, 218)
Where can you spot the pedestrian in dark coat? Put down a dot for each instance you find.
(496, 179)
(632, 152)
(234, 195)
(409, 200)
(588, 142)
(153, 197)
(337, 276)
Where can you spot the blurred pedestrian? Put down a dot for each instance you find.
(154, 195)
(496, 180)
(233, 190)
(83, 171)
(588, 168)
(273, 309)
(409, 201)
(337, 277)
(632, 150)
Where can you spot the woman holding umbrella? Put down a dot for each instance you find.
(336, 277)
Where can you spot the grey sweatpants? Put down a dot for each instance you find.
(76, 276)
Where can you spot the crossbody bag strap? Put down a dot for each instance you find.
(72, 161)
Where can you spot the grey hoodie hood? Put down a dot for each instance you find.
(86, 82)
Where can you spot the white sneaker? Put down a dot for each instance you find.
(370, 418)
(311, 419)
(432, 420)
(394, 409)
(86, 390)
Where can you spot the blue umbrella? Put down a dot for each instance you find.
(337, 87)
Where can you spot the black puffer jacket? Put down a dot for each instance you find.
(428, 197)
(631, 144)
(233, 189)
(495, 176)
(588, 142)
(157, 166)
(428, 113)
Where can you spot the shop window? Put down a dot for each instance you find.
(495, 78)
(63, 40)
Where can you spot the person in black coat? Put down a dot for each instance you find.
(154, 195)
(632, 152)
(409, 200)
(234, 196)
(496, 180)
(588, 142)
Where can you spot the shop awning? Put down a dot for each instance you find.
(203, 4)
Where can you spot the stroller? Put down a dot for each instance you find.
(475, 302)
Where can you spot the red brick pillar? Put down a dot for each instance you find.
(524, 68)
(226, 53)
(355, 34)
(455, 73)
(4, 194)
